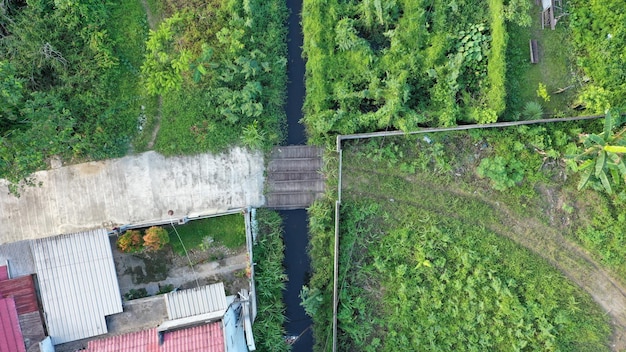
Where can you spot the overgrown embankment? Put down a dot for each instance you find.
(268, 252)
(415, 214)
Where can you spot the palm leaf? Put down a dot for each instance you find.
(584, 178)
(608, 125)
(596, 139)
(619, 164)
(605, 182)
(614, 175)
(586, 164)
(614, 149)
(600, 163)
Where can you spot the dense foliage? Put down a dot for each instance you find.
(221, 69)
(398, 64)
(80, 79)
(599, 38)
(270, 279)
(69, 82)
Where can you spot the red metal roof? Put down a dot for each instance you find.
(22, 289)
(204, 338)
(142, 341)
(4, 273)
(10, 334)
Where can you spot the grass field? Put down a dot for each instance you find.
(227, 230)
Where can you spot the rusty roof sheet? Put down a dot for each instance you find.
(203, 338)
(22, 289)
(10, 334)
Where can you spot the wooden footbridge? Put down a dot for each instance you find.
(294, 178)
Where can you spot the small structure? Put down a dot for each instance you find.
(203, 338)
(78, 284)
(21, 325)
(201, 319)
(548, 17)
(294, 177)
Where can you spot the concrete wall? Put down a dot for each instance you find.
(130, 190)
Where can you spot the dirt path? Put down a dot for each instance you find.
(547, 242)
(571, 260)
(152, 23)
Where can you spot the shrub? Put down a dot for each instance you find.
(542, 92)
(502, 173)
(155, 238)
(135, 294)
(532, 111)
(130, 242)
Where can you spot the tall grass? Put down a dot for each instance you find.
(270, 278)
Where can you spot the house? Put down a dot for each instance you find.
(201, 319)
(21, 325)
(78, 289)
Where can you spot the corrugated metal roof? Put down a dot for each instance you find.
(203, 338)
(195, 301)
(141, 341)
(22, 289)
(78, 284)
(10, 334)
(19, 257)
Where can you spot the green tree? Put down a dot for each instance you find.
(601, 159)
(165, 61)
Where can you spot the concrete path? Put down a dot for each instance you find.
(134, 189)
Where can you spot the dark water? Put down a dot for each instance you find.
(295, 221)
(295, 73)
(297, 267)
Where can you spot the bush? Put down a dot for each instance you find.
(130, 242)
(502, 173)
(136, 294)
(155, 238)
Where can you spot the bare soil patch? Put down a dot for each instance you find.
(165, 270)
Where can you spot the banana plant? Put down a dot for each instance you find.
(601, 159)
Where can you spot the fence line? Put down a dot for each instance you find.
(402, 133)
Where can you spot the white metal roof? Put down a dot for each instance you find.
(78, 284)
(196, 301)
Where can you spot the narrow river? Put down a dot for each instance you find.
(296, 221)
